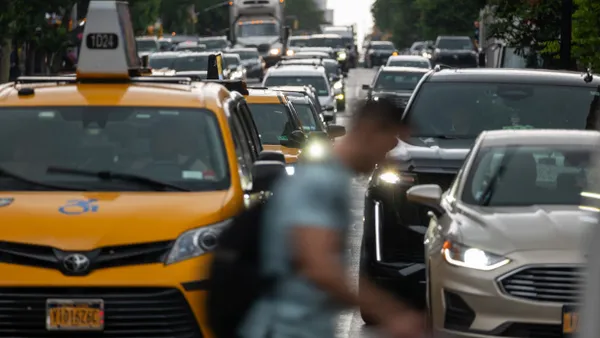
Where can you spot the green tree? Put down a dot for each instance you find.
(144, 13)
(586, 33)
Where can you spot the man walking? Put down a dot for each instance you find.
(305, 228)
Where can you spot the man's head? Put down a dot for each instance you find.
(376, 127)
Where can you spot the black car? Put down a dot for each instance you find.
(334, 41)
(448, 110)
(251, 59)
(395, 83)
(455, 51)
(378, 53)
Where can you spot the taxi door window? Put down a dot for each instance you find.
(251, 130)
(242, 151)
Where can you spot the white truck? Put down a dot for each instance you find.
(259, 24)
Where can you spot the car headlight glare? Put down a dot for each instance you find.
(338, 85)
(275, 51)
(196, 242)
(473, 258)
(290, 170)
(342, 56)
(316, 150)
(339, 97)
(392, 177)
(290, 52)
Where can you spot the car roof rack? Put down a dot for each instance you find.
(441, 66)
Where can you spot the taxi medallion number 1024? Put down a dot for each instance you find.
(102, 41)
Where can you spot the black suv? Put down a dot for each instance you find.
(448, 110)
(395, 83)
(378, 52)
(455, 51)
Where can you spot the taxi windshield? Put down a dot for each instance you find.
(306, 116)
(397, 81)
(272, 121)
(536, 175)
(317, 82)
(147, 46)
(465, 109)
(161, 62)
(181, 147)
(191, 63)
(455, 44)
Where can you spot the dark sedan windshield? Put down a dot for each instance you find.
(464, 109)
(161, 62)
(191, 63)
(394, 81)
(455, 44)
(326, 42)
(383, 46)
(173, 145)
(317, 82)
(537, 175)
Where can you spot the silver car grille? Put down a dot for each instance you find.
(544, 284)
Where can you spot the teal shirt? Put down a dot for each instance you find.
(316, 195)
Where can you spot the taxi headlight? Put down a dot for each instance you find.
(290, 170)
(392, 177)
(196, 242)
(275, 51)
(472, 258)
(342, 56)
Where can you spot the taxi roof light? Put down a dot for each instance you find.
(108, 48)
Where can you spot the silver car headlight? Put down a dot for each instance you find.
(196, 242)
(394, 177)
(473, 258)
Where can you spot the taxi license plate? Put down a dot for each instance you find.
(570, 321)
(75, 314)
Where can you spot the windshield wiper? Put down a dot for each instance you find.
(107, 175)
(17, 177)
(486, 195)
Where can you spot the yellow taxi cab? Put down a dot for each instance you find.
(114, 189)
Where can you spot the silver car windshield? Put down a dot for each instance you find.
(529, 175)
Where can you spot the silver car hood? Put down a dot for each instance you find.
(502, 230)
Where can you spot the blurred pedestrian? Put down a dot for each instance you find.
(304, 234)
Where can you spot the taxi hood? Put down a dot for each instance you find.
(503, 230)
(290, 154)
(60, 219)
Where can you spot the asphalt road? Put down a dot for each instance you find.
(350, 325)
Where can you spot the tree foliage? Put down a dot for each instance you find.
(410, 20)
(308, 15)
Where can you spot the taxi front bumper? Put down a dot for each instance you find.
(520, 299)
(153, 300)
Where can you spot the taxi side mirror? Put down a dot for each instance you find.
(295, 139)
(334, 130)
(269, 155)
(265, 173)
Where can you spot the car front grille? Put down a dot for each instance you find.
(129, 312)
(527, 330)
(544, 284)
(263, 48)
(101, 258)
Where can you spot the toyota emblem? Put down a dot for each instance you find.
(76, 263)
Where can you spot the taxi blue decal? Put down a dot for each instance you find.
(78, 207)
(519, 126)
(6, 201)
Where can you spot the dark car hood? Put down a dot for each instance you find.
(431, 153)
